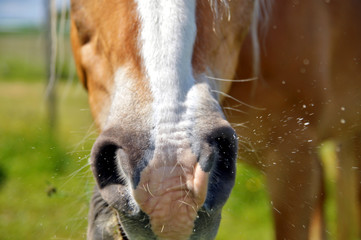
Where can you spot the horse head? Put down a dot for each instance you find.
(164, 161)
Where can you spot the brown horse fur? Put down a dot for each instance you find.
(309, 85)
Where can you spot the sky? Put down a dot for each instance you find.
(23, 12)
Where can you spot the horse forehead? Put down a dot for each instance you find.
(163, 41)
(166, 35)
(149, 36)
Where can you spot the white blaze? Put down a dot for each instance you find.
(167, 35)
(176, 186)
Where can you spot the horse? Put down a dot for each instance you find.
(308, 82)
(157, 73)
(165, 158)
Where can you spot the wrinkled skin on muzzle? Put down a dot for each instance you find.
(175, 195)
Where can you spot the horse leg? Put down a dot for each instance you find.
(358, 179)
(318, 226)
(295, 185)
(347, 196)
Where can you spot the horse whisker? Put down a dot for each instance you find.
(233, 80)
(187, 193)
(247, 148)
(149, 190)
(171, 171)
(182, 186)
(181, 183)
(234, 109)
(185, 203)
(240, 102)
(75, 173)
(239, 125)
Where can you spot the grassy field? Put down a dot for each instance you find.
(45, 180)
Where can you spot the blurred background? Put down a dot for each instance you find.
(45, 181)
(46, 133)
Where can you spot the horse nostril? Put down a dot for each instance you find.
(224, 141)
(220, 149)
(223, 165)
(104, 162)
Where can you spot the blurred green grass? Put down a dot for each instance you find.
(23, 57)
(45, 184)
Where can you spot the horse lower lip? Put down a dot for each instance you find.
(121, 230)
(142, 222)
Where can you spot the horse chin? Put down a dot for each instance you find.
(132, 223)
(137, 226)
(120, 217)
(116, 215)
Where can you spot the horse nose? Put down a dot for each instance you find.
(114, 162)
(117, 157)
(103, 160)
(105, 169)
(219, 159)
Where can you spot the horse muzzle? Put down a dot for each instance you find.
(169, 189)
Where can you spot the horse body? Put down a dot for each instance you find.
(309, 86)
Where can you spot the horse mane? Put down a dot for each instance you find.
(258, 29)
(219, 7)
(259, 26)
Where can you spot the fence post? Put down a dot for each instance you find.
(51, 52)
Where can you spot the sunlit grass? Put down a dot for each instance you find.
(329, 159)
(23, 57)
(247, 214)
(40, 197)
